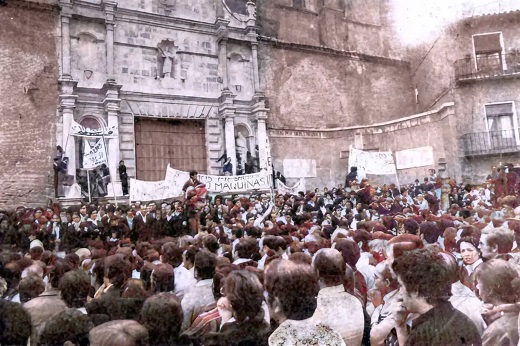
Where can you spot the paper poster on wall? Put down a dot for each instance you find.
(416, 157)
(372, 162)
(299, 168)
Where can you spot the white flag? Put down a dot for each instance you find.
(96, 156)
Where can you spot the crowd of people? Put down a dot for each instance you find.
(432, 263)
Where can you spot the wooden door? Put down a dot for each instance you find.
(182, 143)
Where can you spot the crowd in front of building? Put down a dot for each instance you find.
(432, 263)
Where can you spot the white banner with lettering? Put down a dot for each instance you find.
(284, 189)
(372, 162)
(94, 156)
(171, 186)
(416, 157)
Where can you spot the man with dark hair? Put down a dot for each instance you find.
(201, 296)
(15, 324)
(293, 290)
(334, 301)
(496, 244)
(49, 303)
(438, 323)
(75, 288)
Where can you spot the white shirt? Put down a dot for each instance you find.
(184, 281)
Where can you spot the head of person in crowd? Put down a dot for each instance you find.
(30, 287)
(210, 243)
(70, 326)
(117, 270)
(349, 250)
(468, 249)
(74, 288)
(162, 315)
(497, 243)
(498, 282)
(57, 271)
(205, 263)
(332, 269)
(171, 253)
(244, 292)
(292, 290)
(119, 333)
(419, 291)
(398, 245)
(162, 278)
(15, 324)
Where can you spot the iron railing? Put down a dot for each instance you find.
(490, 143)
(487, 66)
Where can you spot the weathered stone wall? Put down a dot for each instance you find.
(28, 59)
(313, 90)
(330, 149)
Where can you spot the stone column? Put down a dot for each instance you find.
(229, 130)
(223, 63)
(254, 50)
(65, 47)
(110, 7)
(67, 105)
(262, 142)
(112, 106)
(222, 33)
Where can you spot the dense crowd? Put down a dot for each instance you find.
(432, 263)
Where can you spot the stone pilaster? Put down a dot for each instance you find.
(112, 106)
(110, 8)
(227, 113)
(256, 77)
(65, 42)
(222, 33)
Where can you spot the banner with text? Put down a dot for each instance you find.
(171, 186)
(417, 157)
(94, 156)
(372, 162)
(154, 190)
(284, 189)
(225, 184)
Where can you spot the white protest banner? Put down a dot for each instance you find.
(416, 157)
(81, 131)
(372, 162)
(284, 189)
(96, 156)
(224, 184)
(153, 190)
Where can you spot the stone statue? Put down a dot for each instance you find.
(167, 66)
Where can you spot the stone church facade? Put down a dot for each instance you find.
(177, 80)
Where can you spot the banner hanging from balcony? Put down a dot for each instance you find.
(371, 162)
(416, 157)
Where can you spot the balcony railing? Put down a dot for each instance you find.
(490, 143)
(487, 66)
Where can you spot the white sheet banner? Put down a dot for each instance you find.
(225, 184)
(154, 190)
(171, 186)
(284, 189)
(372, 162)
(94, 156)
(81, 131)
(417, 157)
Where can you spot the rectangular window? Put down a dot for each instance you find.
(299, 3)
(501, 125)
(489, 55)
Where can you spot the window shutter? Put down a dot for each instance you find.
(489, 43)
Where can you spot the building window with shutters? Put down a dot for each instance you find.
(489, 52)
(502, 125)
